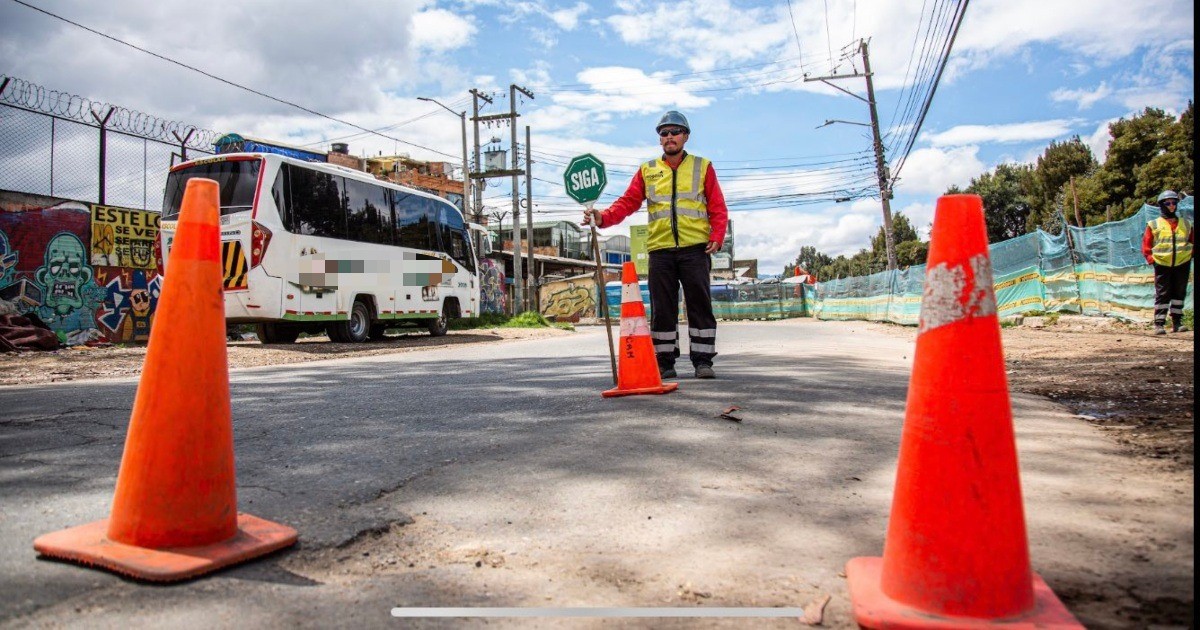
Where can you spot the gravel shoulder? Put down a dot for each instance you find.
(84, 363)
(1135, 387)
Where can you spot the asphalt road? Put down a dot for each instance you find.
(481, 436)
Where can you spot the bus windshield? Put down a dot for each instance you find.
(237, 180)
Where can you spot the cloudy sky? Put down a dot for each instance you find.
(1022, 73)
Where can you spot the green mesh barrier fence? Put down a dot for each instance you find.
(751, 300)
(1097, 270)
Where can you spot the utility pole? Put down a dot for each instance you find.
(533, 297)
(514, 172)
(881, 169)
(519, 281)
(476, 95)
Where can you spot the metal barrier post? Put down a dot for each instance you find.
(103, 147)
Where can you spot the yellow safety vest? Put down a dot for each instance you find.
(676, 203)
(1171, 247)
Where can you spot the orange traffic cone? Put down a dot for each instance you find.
(174, 513)
(637, 369)
(956, 554)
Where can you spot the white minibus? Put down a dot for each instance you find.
(312, 247)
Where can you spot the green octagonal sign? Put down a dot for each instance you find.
(585, 179)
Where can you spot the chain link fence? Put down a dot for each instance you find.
(62, 145)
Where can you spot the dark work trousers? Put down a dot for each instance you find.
(669, 269)
(1170, 289)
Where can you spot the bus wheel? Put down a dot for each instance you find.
(357, 329)
(278, 333)
(440, 326)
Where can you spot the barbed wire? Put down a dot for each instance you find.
(30, 96)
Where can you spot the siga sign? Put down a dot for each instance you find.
(585, 178)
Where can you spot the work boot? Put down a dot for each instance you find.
(1178, 327)
(667, 372)
(1159, 329)
(705, 371)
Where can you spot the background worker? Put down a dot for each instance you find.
(1167, 244)
(686, 225)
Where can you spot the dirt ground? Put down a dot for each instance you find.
(1134, 386)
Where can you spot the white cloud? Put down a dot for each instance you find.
(623, 90)
(933, 170)
(568, 19)
(440, 30)
(1099, 139)
(920, 216)
(1083, 97)
(1104, 30)
(775, 237)
(703, 33)
(1013, 132)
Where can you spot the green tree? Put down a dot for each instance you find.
(1006, 199)
(1135, 143)
(1058, 164)
(902, 230)
(810, 260)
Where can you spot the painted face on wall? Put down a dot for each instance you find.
(63, 273)
(139, 296)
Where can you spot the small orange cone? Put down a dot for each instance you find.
(956, 553)
(174, 513)
(637, 369)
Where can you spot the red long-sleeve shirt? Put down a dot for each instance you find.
(1148, 240)
(635, 195)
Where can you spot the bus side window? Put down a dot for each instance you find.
(316, 204)
(281, 193)
(460, 249)
(367, 213)
(412, 226)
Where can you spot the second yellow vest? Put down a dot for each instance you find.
(1171, 247)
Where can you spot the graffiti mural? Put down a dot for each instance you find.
(48, 251)
(131, 297)
(124, 238)
(492, 297)
(69, 293)
(569, 299)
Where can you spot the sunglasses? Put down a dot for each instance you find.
(670, 132)
(1169, 202)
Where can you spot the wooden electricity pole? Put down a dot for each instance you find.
(881, 170)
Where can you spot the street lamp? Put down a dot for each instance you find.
(466, 173)
(846, 122)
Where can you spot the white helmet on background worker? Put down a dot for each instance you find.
(1167, 194)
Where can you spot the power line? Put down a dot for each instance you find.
(958, 17)
(225, 81)
(796, 32)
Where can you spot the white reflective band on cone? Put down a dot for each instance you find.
(634, 327)
(631, 293)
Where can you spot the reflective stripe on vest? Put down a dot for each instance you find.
(676, 203)
(1171, 247)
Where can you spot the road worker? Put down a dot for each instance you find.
(1167, 244)
(686, 225)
